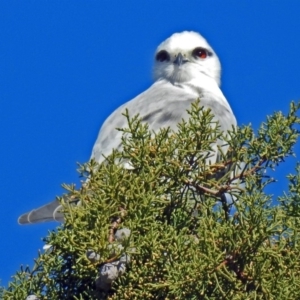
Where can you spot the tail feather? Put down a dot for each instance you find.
(46, 213)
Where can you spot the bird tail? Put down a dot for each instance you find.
(46, 213)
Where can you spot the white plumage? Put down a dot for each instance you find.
(185, 68)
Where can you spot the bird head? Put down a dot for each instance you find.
(184, 57)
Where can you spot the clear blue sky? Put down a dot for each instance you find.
(66, 65)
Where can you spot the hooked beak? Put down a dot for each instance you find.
(180, 60)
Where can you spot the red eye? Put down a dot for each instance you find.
(200, 53)
(162, 55)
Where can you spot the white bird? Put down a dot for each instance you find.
(185, 68)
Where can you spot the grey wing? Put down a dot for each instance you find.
(162, 105)
(45, 213)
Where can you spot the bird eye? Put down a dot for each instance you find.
(200, 53)
(162, 55)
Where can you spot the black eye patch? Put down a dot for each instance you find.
(162, 55)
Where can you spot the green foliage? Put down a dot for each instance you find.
(1, 292)
(186, 241)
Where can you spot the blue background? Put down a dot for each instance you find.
(66, 65)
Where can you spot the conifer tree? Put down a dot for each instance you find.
(164, 229)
